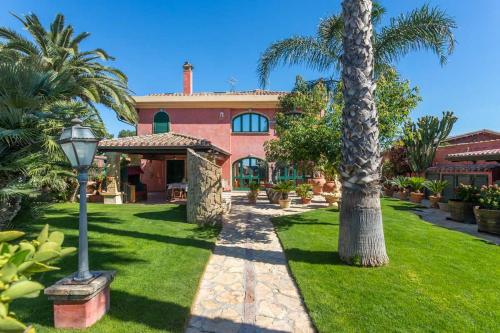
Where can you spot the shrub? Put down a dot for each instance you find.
(254, 187)
(401, 182)
(490, 197)
(19, 263)
(304, 191)
(468, 193)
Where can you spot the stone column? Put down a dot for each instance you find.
(112, 194)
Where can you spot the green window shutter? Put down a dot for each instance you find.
(161, 123)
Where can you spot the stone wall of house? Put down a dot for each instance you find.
(205, 205)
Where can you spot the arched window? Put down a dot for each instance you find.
(249, 170)
(161, 123)
(250, 122)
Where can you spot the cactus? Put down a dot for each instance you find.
(422, 138)
(17, 265)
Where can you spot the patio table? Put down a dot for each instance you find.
(176, 186)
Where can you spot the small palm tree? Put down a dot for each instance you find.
(424, 28)
(58, 49)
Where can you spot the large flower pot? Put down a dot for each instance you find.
(416, 197)
(329, 186)
(285, 203)
(434, 200)
(273, 195)
(332, 198)
(444, 206)
(461, 211)
(305, 201)
(395, 194)
(252, 197)
(388, 192)
(488, 220)
(317, 184)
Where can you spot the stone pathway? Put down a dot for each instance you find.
(439, 217)
(246, 286)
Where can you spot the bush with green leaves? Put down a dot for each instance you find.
(416, 183)
(284, 188)
(436, 186)
(254, 187)
(401, 182)
(18, 263)
(305, 191)
(490, 197)
(468, 193)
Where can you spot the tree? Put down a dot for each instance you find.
(309, 123)
(422, 138)
(424, 28)
(361, 237)
(58, 49)
(125, 133)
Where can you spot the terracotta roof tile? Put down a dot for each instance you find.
(478, 153)
(163, 140)
(463, 167)
(259, 92)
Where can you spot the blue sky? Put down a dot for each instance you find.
(223, 39)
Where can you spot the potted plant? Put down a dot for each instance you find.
(330, 172)
(417, 185)
(461, 209)
(401, 182)
(284, 188)
(318, 179)
(488, 211)
(254, 192)
(436, 187)
(332, 198)
(388, 188)
(304, 191)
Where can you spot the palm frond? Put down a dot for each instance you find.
(424, 28)
(307, 51)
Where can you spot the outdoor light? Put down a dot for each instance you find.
(79, 145)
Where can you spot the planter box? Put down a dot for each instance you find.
(461, 211)
(444, 206)
(488, 220)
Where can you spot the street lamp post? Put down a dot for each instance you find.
(79, 145)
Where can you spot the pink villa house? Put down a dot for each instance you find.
(230, 126)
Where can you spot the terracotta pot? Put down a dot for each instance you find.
(332, 199)
(329, 186)
(388, 192)
(461, 211)
(416, 197)
(444, 206)
(488, 220)
(305, 201)
(434, 199)
(395, 194)
(252, 197)
(318, 185)
(285, 203)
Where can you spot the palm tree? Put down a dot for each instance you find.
(58, 49)
(361, 237)
(424, 28)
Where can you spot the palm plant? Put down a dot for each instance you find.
(416, 183)
(58, 50)
(424, 28)
(284, 188)
(401, 182)
(361, 235)
(436, 186)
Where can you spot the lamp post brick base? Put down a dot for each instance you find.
(80, 304)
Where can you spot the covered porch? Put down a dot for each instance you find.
(154, 168)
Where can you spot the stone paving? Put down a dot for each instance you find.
(440, 218)
(246, 286)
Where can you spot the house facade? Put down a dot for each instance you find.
(471, 158)
(231, 127)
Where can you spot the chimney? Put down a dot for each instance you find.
(187, 78)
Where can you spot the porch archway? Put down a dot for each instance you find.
(249, 170)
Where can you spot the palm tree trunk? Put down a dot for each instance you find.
(361, 238)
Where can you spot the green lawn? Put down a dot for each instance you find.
(159, 259)
(437, 279)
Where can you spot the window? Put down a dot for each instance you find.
(249, 170)
(161, 123)
(250, 122)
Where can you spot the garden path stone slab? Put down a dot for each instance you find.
(247, 286)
